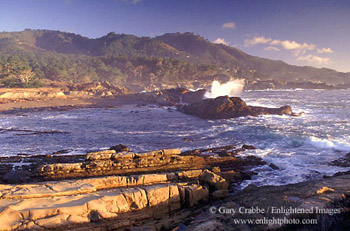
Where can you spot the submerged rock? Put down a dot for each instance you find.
(342, 162)
(225, 107)
(245, 146)
(120, 148)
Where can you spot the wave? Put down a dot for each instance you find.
(60, 116)
(260, 104)
(280, 89)
(231, 88)
(329, 144)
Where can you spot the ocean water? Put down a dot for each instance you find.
(301, 147)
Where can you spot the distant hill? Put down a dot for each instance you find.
(33, 57)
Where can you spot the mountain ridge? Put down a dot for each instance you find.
(186, 54)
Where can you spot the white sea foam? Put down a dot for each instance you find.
(260, 104)
(329, 144)
(231, 88)
(60, 116)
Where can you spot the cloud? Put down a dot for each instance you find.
(293, 45)
(229, 25)
(324, 50)
(298, 49)
(221, 41)
(256, 40)
(314, 59)
(271, 49)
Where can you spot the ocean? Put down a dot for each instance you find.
(301, 147)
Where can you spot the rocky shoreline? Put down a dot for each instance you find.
(86, 190)
(167, 189)
(186, 101)
(158, 190)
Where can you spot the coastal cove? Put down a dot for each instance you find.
(144, 115)
(301, 147)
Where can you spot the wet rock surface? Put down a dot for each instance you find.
(325, 203)
(225, 107)
(342, 162)
(102, 189)
(111, 162)
(159, 190)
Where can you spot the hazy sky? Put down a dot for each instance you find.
(301, 32)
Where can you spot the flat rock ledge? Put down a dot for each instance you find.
(64, 204)
(110, 190)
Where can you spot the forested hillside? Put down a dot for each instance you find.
(33, 58)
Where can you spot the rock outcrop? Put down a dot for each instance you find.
(225, 107)
(83, 91)
(321, 204)
(116, 189)
(343, 161)
(47, 210)
(166, 97)
(110, 162)
(214, 181)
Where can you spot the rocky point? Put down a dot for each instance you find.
(225, 107)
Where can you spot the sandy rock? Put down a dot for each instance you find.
(114, 203)
(189, 174)
(216, 170)
(213, 180)
(10, 219)
(157, 194)
(171, 152)
(61, 167)
(123, 155)
(136, 198)
(101, 155)
(57, 220)
(324, 189)
(174, 198)
(191, 195)
(154, 178)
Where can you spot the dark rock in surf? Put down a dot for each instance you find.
(342, 162)
(17, 177)
(245, 146)
(120, 148)
(193, 96)
(274, 167)
(225, 107)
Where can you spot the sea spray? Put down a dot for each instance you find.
(230, 88)
(329, 144)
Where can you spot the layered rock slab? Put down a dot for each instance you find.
(48, 212)
(111, 163)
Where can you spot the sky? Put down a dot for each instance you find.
(301, 32)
